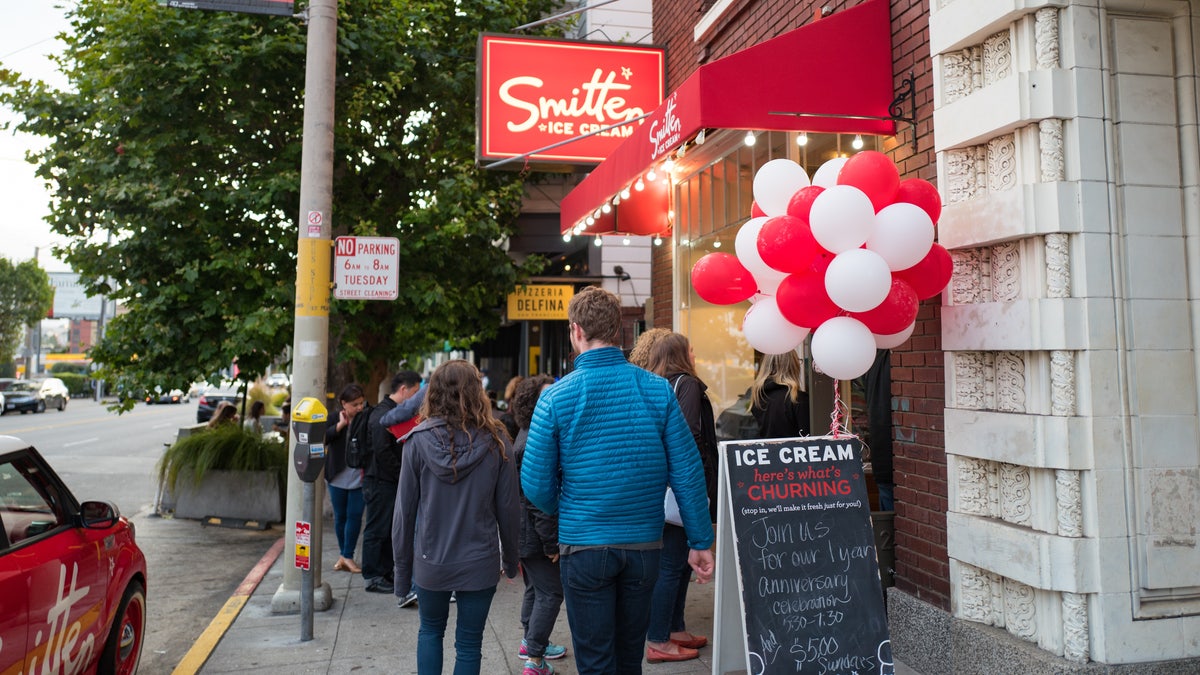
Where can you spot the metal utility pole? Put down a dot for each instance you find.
(310, 344)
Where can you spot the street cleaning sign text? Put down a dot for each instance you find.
(366, 268)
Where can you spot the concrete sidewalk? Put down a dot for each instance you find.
(368, 633)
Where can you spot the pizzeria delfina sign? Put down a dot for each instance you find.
(539, 303)
(535, 92)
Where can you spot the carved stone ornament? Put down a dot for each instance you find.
(1058, 265)
(1002, 163)
(969, 283)
(956, 75)
(975, 595)
(961, 175)
(1010, 382)
(1020, 614)
(1051, 152)
(972, 486)
(1075, 627)
(1062, 383)
(1006, 272)
(997, 57)
(1069, 503)
(1015, 494)
(970, 381)
(1045, 38)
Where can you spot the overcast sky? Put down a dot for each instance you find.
(27, 34)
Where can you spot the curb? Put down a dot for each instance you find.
(204, 646)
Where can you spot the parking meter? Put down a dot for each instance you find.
(308, 421)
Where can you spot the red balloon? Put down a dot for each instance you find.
(786, 243)
(875, 174)
(923, 194)
(720, 278)
(802, 300)
(755, 211)
(931, 275)
(801, 202)
(896, 311)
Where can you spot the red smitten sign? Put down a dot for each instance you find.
(535, 93)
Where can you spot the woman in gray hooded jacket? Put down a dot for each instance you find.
(457, 491)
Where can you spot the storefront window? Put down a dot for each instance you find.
(712, 199)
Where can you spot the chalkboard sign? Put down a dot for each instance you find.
(805, 550)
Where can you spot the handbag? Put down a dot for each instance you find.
(671, 509)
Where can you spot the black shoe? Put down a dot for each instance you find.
(381, 586)
(407, 600)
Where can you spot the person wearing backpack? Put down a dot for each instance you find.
(382, 473)
(344, 480)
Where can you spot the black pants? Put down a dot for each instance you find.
(379, 497)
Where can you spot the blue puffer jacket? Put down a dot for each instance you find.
(603, 443)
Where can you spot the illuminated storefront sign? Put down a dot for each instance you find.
(534, 93)
(539, 303)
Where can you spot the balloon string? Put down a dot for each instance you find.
(838, 426)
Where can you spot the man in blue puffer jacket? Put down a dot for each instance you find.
(603, 445)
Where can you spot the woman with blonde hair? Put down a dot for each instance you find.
(669, 354)
(457, 493)
(778, 399)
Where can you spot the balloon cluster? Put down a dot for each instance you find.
(847, 256)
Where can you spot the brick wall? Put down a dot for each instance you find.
(918, 397)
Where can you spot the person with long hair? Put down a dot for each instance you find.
(669, 354)
(345, 482)
(538, 548)
(778, 399)
(457, 495)
(254, 419)
(226, 413)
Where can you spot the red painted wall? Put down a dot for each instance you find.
(918, 379)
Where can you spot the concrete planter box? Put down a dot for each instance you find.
(238, 495)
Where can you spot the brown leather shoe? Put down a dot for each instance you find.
(696, 642)
(658, 656)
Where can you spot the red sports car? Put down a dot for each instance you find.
(72, 579)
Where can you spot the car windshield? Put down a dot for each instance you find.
(24, 386)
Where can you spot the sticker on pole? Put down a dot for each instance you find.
(303, 543)
(366, 268)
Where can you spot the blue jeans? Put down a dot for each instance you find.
(670, 591)
(347, 518)
(607, 592)
(433, 607)
(379, 498)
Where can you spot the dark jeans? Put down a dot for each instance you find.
(543, 597)
(347, 518)
(379, 498)
(670, 591)
(433, 607)
(607, 592)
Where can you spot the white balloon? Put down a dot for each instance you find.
(843, 348)
(903, 235)
(895, 339)
(842, 218)
(745, 245)
(827, 174)
(767, 331)
(858, 280)
(775, 183)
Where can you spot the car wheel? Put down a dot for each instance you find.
(123, 648)
(41, 407)
(62, 404)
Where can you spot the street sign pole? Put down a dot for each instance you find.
(310, 345)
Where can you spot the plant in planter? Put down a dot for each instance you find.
(226, 472)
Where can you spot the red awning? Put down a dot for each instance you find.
(837, 66)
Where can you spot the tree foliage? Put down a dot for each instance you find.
(174, 159)
(26, 297)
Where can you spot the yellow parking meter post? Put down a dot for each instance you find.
(308, 420)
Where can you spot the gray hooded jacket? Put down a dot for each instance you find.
(457, 516)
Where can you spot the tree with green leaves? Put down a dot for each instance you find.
(26, 297)
(174, 159)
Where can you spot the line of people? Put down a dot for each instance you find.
(576, 500)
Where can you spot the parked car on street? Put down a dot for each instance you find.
(54, 392)
(160, 395)
(212, 397)
(278, 381)
(24, 396)
(67, 569)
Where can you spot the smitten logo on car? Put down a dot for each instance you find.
(60, 643)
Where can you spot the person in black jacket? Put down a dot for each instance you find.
(380, 478)
(669, 354)
(345, 483)
(538, 546)
(778, 398)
